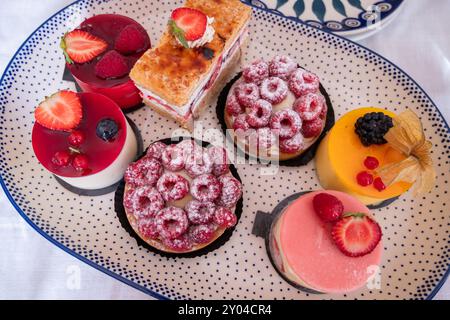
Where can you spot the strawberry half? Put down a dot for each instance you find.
(61, 111)
(356, 234)
(191, 22)
(80, 46)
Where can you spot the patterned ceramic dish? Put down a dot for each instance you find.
(416, 233)
(355, 19)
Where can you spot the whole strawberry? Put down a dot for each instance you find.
(328, 207)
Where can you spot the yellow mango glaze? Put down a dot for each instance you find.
(340, 157)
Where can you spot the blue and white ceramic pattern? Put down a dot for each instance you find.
(350, 18)
(416, 233)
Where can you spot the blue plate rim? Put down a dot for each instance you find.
(125, 280)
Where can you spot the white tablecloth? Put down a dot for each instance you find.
(32, 268)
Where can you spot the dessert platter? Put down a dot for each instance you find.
(347, 201)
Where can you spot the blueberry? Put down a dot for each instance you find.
(107, 129)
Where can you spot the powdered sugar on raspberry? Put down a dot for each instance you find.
(231, 191)
(258, 114)
(143, 201)
(282, 66)
(205, 188)
(274, 90)
(172, 186)
(155, 150)
(292, 145)
(232, 106)
(247, 94)
(171, 222)
(302, 82)
(200, 212)
(173, 158)
(220, 161)
(310, 106)
(286, 123)
(224, 218)
(143, 172)
(198, 162)
(256, 72)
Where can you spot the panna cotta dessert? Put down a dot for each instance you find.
(83, 139)
(199, 49)
(100, 54)
(327, 242)
(275, 110)
(375, 155)
(181, 197)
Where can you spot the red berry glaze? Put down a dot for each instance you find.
(364, 179)
(328, 207)
(371, 163)
(61, 158)
(356, 235)
(379, 184)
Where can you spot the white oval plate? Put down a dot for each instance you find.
(416, 232)
(354, 19)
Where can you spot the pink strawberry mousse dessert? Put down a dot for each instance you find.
(100, 54)
(326, 241)
(84, 139)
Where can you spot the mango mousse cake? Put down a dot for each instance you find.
(201, 45)
(375, 155)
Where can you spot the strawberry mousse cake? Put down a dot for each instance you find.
(100, 54)
(350, 155)
(198, 51)
(275, 110)
(181, 197)
(83, 139)
(326, 242)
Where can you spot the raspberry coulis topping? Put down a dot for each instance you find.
(259, 101)
(153, 201)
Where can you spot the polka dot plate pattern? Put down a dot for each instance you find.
(416, 230)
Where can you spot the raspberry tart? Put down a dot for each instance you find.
(83, 139)
(275, 110)
(356, 156)
(180, 198)
(325, 242)
(100, 54)
(199, 49)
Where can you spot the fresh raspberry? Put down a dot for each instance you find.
(265, 139)
(286, 123)
(155, 150)
(111, 66)
(198, 162)
(379, 184)
(205, 188)
(302, 82)
(76, 138)
(231, 191)
(371, 163)
(200, 212)
(259, 114)
(201, 234)
(171, 222)
(62, 159)
(292, 145)
(145, 171)
(172, 158)
(282, 67)
(180, 244)
(172, 186)
(274, 90)
(147, 228)
(356, 234)
(247, 94)
(232, 106)
(220, 161)
(364, 179)
(328, 207)
(256, 72)
(143, 202)
(80, 162)
(309, 106)
(240, 124)
(311, 129)
(130, 40)
(324, 111)
(224, 218)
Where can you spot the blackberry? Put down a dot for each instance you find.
(372, 127)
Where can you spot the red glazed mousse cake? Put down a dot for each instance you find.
(84, 139)
(326, 241)
(100, 54)
(180, 198)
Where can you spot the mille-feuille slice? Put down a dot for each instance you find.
(193, 58)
